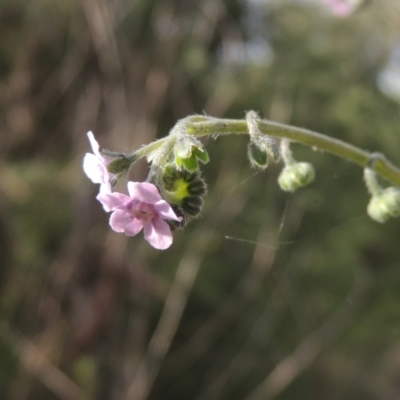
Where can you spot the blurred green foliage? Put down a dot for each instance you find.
(275, 275)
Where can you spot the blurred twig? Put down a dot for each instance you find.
(262, 263)
(170, 318)
(38, 365)
(236, 303)
(101, 22)
(309, 349)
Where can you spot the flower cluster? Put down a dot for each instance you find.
(174, 190)
(173, 193)
(144, 208)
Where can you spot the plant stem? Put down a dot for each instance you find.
(286, 153)
(147, 149)
(371, 182)
(375, 161)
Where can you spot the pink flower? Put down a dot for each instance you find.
(95, 166)
(144, 208)
(341, 8)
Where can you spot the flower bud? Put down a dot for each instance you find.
(190, 163)
(184, 190)
(201, 154)
(296, 175)
(188, 151)
(260, 148)
(384, 205)
(258, 157)
(119, 165)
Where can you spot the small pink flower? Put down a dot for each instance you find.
(144, 208)
(341, 8)
(95, 166)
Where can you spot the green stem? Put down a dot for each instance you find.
(373, 186)
(377, 162)
(147, 149)
(286, 153)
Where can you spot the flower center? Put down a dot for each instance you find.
(144, 211)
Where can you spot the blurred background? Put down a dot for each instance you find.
(268, 295)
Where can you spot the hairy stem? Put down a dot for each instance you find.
(377, 162)
(147, 149)
(205, 126)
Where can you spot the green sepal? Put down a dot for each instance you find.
(201, 155)
(188, 151)
(178, 162)
(190, 163)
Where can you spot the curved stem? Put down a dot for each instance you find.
(219, 126)
(147, 149)
(287, 156)
(373, 186)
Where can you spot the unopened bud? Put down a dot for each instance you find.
(258, 157)
(183, 146)
(260, 149)
(296, 175)
(120, 164)
(188, 151)
(190, 163)
(384, 205)
(201, 154)
(184, 190)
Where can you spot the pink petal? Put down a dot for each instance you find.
(144, 191)
(119, 219)
(165, 211)
(96, 150)
(122, 221)
(113, 201)
(134, 227)
(105, 188)
(95, 169)
(158, 234)
(94, 144)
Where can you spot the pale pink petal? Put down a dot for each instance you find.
(165, 211)
(119, 219)
(96, 150)
(95, 169)
(105, 188)
(113, 201)
(122, 221)
(94, 144)
(133, 227)
(158, 234)
(144, 191)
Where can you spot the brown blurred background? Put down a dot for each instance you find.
(267, 295)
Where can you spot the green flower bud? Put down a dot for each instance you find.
(258, 157)
(187, 152)
(184, 191)
(384, 205)
(296, 175)
(260, 148)
(201, 154)
(120, 164)
(190, 163)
